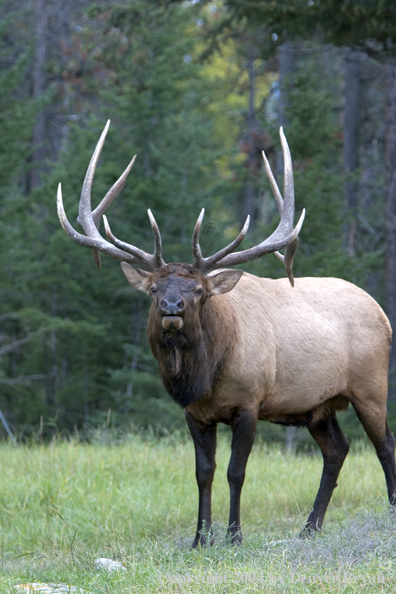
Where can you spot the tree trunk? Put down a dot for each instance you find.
(53, 377)
(286, 59)
(248, 207)
(390, 214)
(351, 144)
(286, 63)
(38, 88)
(59, 50)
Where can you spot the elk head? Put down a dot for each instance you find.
(179, 290)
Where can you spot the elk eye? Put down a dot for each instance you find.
(153, 290)
(199, 291)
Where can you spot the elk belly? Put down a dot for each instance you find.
(172, 322)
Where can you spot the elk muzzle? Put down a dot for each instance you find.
(172, 309)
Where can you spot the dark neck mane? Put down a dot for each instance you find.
(190, 362)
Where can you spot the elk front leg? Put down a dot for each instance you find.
(243, 432)
(204, 437)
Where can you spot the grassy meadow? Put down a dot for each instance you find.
(65, 504)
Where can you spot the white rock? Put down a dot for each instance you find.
(109, 564)
(48, 588)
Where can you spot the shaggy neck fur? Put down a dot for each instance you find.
(189, 360)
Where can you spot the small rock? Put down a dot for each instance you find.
(109, 564)
(48, 588)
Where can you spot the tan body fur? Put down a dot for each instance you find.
(294, 349)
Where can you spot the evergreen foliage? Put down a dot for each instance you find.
(366, 23)
(73, 347)
(87, 350)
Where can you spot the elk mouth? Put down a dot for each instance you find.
(172, 322)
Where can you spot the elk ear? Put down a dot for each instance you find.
(139, 279)
(222, 282)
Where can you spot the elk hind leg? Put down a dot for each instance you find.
(334, 446)
(373, 419)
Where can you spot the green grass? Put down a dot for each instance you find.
(65, 504)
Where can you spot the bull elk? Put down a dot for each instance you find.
(234, 348)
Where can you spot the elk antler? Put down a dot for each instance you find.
(89, 220)
(283, 236)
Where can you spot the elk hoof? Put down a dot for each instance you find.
(236, 537)
(309, 531)
(201, 542)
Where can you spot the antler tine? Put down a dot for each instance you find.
(288, 191)
(206, 264)
(283, 236)
(287, 259)
(150, 260)
(84, 208)
(196, 248)
(288, 184)
(157, 256)
(274, 185)
(111, 194)
(90, 220)
(291, 249)
(85, 218)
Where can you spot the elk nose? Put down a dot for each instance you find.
(172, 306)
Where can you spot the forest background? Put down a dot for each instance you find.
(197, 89)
